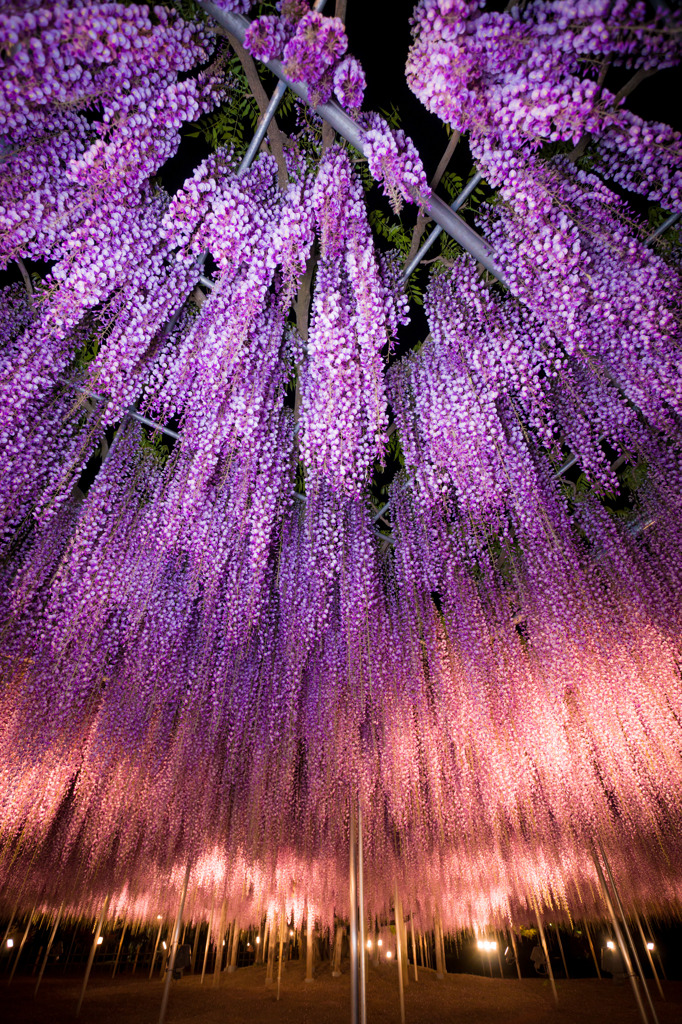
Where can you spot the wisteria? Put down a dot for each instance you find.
(215, 642)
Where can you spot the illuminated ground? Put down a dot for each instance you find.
(242, 998)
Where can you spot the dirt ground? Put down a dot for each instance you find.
(243, 998)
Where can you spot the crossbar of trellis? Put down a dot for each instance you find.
(351, 131)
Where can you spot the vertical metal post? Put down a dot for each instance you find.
(173, 949)
(118, 951)
(282, 926)
(234, 947)
(156, 946)
(628, 935)
(362, 953)
(499, 954)
(208, 943)
(594, 955)
(93, 950)
(648, 953)
(309, 929)
(516, 952)
(414, 946)
(543, 940)
(353, 892)
(651, 939)
(561, 950)
(271, 954)
(22, 944)
(47, 950)
(622, 945)
(399, 951)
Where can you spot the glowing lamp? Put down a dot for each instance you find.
(164, 944)
(100, 941)
(291, 934)
(610, 945)
(388, 954)
(380, 942)
(258, 938)
(223, 942)
(159, 916)
(10, 943)
(369, 943)
(649, 945)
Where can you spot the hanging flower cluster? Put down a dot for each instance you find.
(343, 411)
(311, 47)
(531, 74)
(394, 161)
(58, 62)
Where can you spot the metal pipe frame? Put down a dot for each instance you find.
(458, 202)
(348, 129)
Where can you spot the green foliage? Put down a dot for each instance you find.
(453, 183)
(299, 482)
(391, 116)
(634, 476)
(234, 122)
(656, 216)
(392, 229)
(154, 447)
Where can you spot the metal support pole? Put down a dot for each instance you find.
(561, 950)
(594, 955)
(234, 947)
(156, 946)
(399, 951)
(118, 951)
(208, 943)
(21, 945)
(338, 945)
(628, 935)
(271, 955)
(47, 950)
(353, 892)
(499, 954)
(648, 953)
(651, 939)
(217, 966)
(543, 940)
(174, 949)
(414, 947)
(622, 945)
(93, 950)
(309, 948)
(516, 952)
(282, 926)
(362, 952)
